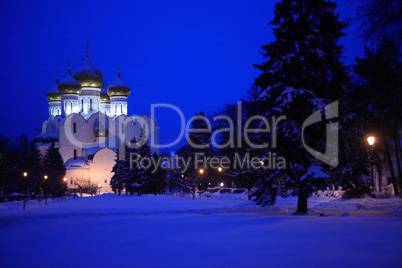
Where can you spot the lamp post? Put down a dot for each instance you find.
(371, 141)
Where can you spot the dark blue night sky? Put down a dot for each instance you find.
(195, 55)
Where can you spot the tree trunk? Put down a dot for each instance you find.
(397, 141)
(391, 169)
(302, 198)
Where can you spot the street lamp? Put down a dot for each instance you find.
(220, 169)
(371, 141)
(201, 171)
(65, 179)
(45, 177)
(25, 174)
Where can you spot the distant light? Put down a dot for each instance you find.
(262, 163)
(45, 177)
(182, 175)
(25, 174)
(201, 171)
(371, 140)
(65, 179)
(219, 169)
(222, 184)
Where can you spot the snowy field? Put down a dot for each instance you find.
(226, 231)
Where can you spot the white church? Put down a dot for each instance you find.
(88, 123)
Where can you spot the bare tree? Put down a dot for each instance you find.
(85, 186)
(381, 18)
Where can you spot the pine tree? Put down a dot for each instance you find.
(134, 175)
(301, 74)
(30, 163)
(380, 88)
(53, 166)
(158, 177)
(120, 173)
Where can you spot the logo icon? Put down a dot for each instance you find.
(331, 155)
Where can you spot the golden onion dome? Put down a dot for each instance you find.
(53, 95)
(88, 75)
(104, 97)
(69, 85)
(118, 88)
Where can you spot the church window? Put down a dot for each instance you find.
(115, 109)
(105, 180)
(122, 108)
(82, 105)
(90, 104)
(71, 180)
(75, 154)
(74, 127)
(71, 106)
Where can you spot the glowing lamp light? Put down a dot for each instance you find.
(262, 163)
(25, 174)
(65, 179)
(371, 140)
(182, 175)
(219, 169)
(222, 184)
(201, 171)
(45, 177)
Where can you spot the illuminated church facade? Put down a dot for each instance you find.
(89, 123)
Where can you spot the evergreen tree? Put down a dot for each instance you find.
(144, 175)
(158, 177)
(379, 89)
(117, 182)
(53, 166)
(33, 165)
(302, 73)
(135, 178)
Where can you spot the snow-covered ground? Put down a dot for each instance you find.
(226, 231)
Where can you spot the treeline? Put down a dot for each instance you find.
(130, 179)
(24, 171)
(303, 73)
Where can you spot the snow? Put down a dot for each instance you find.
(314, 172)
(226, 231)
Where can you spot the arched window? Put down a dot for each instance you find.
(82, 105)
(74, 127)
(90, 104)
(122, 108)
(75, 154)
(71, 107)
(115, 108)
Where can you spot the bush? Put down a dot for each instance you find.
(223, 191)
(238, 191)
(356, 193)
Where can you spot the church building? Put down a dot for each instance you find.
(88, 123)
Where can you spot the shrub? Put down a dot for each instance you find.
(356, 193)
(223, 191)
(238, 191)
